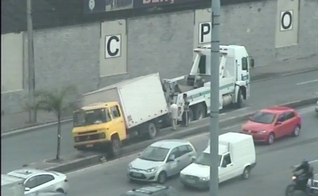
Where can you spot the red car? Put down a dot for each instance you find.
(272, 123)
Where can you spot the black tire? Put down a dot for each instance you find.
(115, 147)
(162, 177)
(271, 139)
(199, 112)
(239, 101)
(296, 131)
(152, 130)
(246, 173)
(290, 189)
(60, 190)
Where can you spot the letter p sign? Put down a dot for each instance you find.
(204, 32)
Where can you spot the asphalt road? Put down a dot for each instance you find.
(270, 177)
(41, 144)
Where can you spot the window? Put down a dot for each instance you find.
(115, 111)
(281, 118)
(38, 180)
(184, 149)
(175, 152)
(226, 160)
(263, 117)
(289, 115)
(244, 64)
(202, 65)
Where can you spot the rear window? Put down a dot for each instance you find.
(263, 117)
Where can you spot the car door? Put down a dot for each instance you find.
(118, 123)
(280, 126)
(226, 168)
(291, 122)
(44, 182)
(173, 167)
(184, 156)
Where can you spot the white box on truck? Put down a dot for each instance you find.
(11, 186)
(141, 99)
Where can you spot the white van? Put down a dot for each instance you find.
(236, 157)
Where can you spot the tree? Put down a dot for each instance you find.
(55, 102)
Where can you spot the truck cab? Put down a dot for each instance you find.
(234, 74)
(98, 126)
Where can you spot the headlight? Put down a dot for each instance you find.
(294, 177)
(204, 179)
(152, 169)
(129, 167)
(261, 132)
(101, 135)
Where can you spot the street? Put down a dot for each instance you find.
(41, 144)
(270, 176)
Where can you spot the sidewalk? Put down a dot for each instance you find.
(19, 120)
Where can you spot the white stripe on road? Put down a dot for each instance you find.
(307, 82)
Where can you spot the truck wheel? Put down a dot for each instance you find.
(246, 173)
(199, 112)
(151, 130)
(115, 147)
(239, 101)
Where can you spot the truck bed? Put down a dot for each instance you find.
(142, 99)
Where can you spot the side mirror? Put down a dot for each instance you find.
(171, 158)
(27, 189)
(278, 123)
(193, 158)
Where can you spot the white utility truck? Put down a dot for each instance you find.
(117, 112)
(237, 157)
(11, 186)
(235, 64)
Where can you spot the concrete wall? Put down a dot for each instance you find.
(163, 43)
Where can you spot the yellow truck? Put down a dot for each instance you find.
(118, 112)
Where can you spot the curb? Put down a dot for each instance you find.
(36, 127)
(97, 159)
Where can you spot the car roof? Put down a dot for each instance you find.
(169, 143)
(277, 110)
(27, 172)
(149, 189)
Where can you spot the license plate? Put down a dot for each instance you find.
(89, 145)
(190, 181)
(137, 174)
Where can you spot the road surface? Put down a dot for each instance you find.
(270, 176)
(41, 144)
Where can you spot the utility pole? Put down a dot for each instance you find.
(214, 97)
(31, 71)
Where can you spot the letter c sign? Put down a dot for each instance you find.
(112, 46)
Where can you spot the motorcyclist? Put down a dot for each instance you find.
(307, 172)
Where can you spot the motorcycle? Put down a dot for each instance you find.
(300, 184)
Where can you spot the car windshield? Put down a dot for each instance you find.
(153, 153)
(90, 117)
(205, 159)
(263, 117)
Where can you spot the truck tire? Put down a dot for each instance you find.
(246, 173)
(199, 112)
(239, 101)
(115, 146)
(152, 130)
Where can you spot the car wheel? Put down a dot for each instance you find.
(162, 177)
(271, 139)
(246, 173)
(296, 131)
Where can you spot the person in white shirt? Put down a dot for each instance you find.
(174, 115)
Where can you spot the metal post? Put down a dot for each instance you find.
(214, 97)
(31, 71)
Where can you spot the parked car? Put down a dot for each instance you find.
(154, 190)
(39, 180)
(269, 124)
(161, 160)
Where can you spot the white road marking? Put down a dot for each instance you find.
(307, 82)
